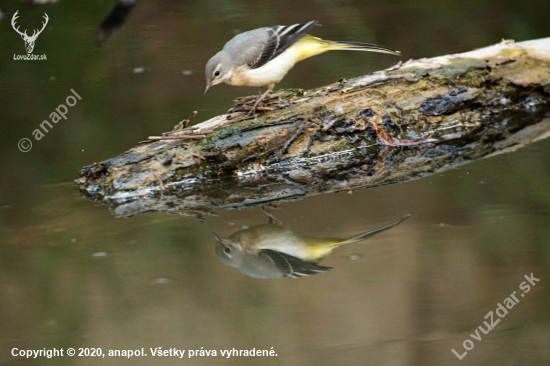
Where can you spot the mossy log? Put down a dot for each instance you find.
(413, 119)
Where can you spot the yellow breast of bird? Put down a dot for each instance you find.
(275, 70)
(315, 253)
(282, 239)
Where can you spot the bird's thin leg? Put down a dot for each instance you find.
(261, 97)
(271, 217)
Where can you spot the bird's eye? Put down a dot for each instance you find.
(227, 250)
(217, 73)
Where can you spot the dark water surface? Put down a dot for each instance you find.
(72, 275)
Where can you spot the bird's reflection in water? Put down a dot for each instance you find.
(274, 251)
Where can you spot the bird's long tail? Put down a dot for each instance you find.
(356, 46)
(320, 248)
(368, 234)
(308, 46)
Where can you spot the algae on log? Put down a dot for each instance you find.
(478, 103)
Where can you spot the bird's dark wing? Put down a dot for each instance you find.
(279, 39)
(291, 267)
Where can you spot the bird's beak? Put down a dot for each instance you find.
(207, 87)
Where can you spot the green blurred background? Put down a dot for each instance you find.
(71, 275)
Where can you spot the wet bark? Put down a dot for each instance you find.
(403, 123)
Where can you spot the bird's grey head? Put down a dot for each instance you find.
(218, 69)
(229, 251)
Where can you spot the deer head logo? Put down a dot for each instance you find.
(29, 40)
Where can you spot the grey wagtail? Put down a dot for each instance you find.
(263, 56)
(275, 251)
